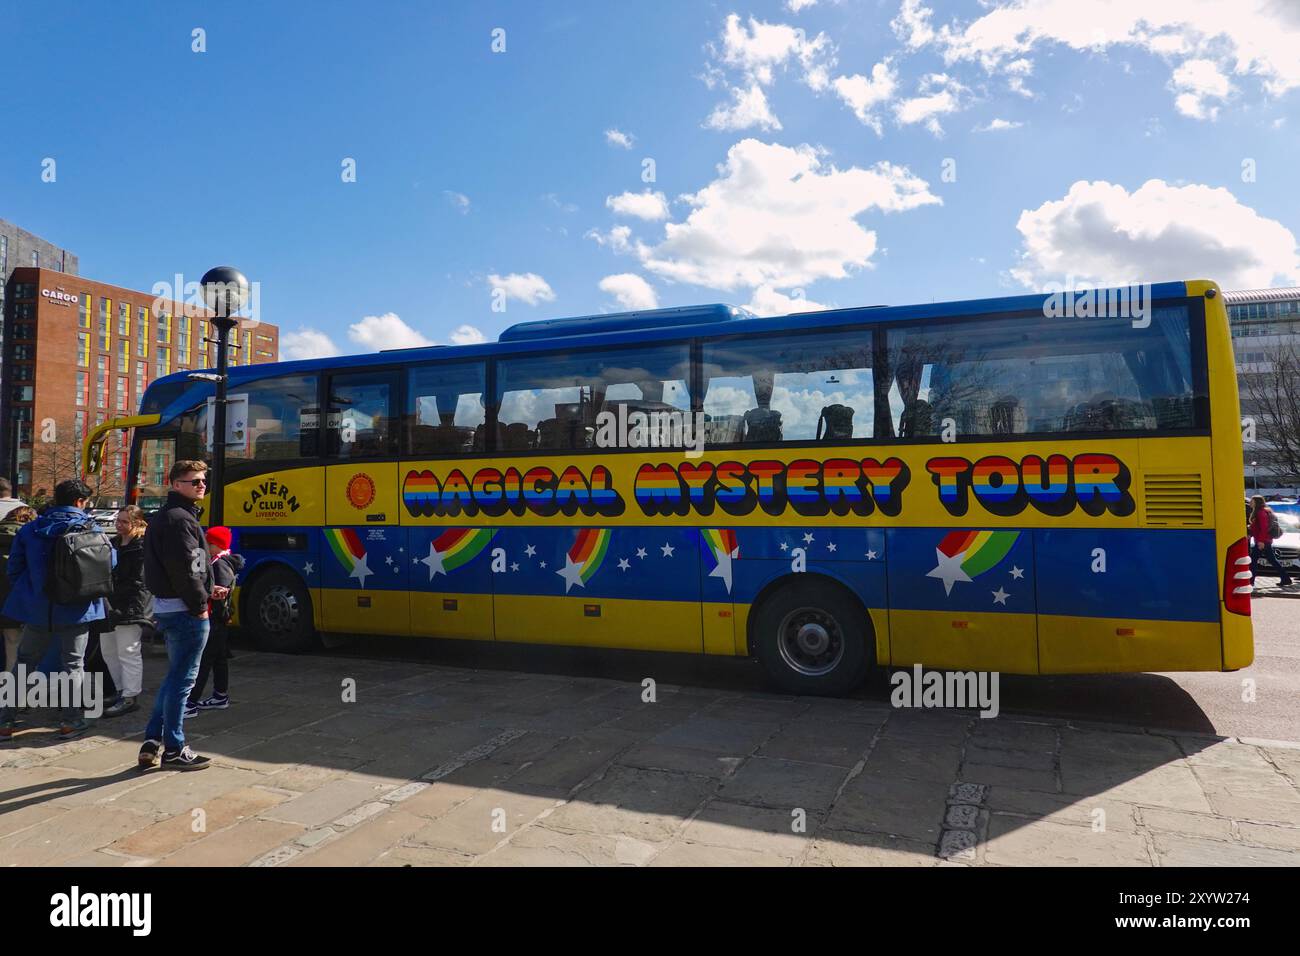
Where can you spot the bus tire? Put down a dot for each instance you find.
(278, 613)
(812, 637)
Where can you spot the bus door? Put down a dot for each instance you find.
(366, 565)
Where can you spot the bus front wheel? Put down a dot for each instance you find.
(812, 638)
(279, 612)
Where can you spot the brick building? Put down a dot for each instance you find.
(79, 352)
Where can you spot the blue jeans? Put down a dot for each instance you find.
(185, 635)
(71, 640)
(1266, 551)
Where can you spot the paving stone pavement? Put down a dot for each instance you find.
(435, 765)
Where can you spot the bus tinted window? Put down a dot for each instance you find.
(552, 401)
(789, 388)
(282, 416)
(444, 411)
(1034, 375)
(360, 415)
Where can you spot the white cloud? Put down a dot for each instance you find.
(459, 201)
(387, 331)
(467, 335)
(618, 138)
(551, 199)
(939, 94)
(1103, 234)
(912, 25)
(762, 48)
(781, 217)
(863, 95)
(645, 205)
(631, 291)
(768, 301)
(1197, 82)
(527, 287)
(306, 344)
(618, 239)
(1256, 38)
(795, 6)
(748, 109)
(998, 125)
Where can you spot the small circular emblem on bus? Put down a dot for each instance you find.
(361, 491)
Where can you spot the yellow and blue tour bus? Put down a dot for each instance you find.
(1033, 485)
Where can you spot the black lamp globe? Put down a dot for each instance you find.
(225, 290)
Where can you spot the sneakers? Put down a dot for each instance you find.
(73, 731)
(149, 754)
(184, 759)
(123, 705)
(191, 709)
(215, 702)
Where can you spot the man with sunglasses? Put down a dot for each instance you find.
(178, 572)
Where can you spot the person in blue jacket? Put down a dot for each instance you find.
(44, 622)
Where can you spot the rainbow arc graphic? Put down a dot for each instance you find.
(347, 547)
(965, 555)
(720, 549)
(455, 548)
(586, 556)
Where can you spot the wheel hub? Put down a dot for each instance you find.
(811, 641)
(279, 610)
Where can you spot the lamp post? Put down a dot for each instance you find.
(225, 290)
(1254, 476)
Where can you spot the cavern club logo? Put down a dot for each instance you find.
(271, 499)
(1053, 485)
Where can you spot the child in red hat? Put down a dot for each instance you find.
(225, 568)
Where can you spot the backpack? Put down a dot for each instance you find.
(837, 421)
(80, 569)
(1274, 528)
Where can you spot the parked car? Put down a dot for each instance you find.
(1287, 547)
(105, 520)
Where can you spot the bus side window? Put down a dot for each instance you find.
(282, 420)
(788, 388)
(359, 415)
(444, 412)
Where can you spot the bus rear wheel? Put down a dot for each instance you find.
(278, 612)
(812, 638)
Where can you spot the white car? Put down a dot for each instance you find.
(1287, 547)
(105, 520)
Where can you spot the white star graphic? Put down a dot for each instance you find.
(949, 570)
(309, 568)
(831, 546)
(542, 565)
(434, 561)
(530, 551)
(388, 560)
(624, 564)
(1017, 573)
(723, 570)
(1000, 596)
(667, 549)
(514, 565)
(415, 560)
(871, 555)
(640, 552)
(572, 574)
(784, 546)
(808, 538)
(362, 570)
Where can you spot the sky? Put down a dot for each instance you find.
(397, 174)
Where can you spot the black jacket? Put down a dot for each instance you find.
(8, 531)
(224, 572)
(131, 602)
(176, 562)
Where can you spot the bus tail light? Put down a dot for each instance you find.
(1236, 578)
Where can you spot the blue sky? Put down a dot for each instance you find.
(817, 142)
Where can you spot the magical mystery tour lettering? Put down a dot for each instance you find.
(1054, 485)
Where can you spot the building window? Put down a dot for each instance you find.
(164, 363)
(101, 383)
(139, 381)
(24, 353)
(24, 310)
(142, 333)
(105, 308)
(24, 290)
(4, 256)
(164, 328)
(23, 373)
(121, 393)
(124, 355)
(80, 425)
(36, 260)
(83, 349)
(84, 318)
(22, 393)
(123, 319)
(83, 388)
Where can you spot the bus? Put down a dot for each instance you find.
(994, 485)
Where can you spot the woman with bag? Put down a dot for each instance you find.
(130, 608)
